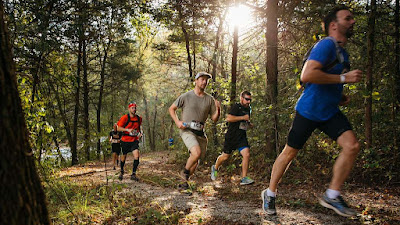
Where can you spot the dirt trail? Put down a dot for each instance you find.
(225, 202)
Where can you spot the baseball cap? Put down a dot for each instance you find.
(203, 74)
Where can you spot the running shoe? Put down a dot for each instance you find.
(214, 173)
(268, 203)
(121, 175)
(133, 177)
(246, 181)
(338, 205)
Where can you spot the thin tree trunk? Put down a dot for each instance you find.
(272, 74)
(368, 99)
(86, 123)
(153, 136)
(99, 104)
(21, 184)
(74, 143)
(186, 35)
(147, 115)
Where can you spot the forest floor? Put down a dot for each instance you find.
(156, 198)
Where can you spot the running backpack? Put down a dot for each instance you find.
(338, 60)
(129, 120)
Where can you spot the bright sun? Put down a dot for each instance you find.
(242, 16)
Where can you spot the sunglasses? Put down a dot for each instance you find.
(248, 99)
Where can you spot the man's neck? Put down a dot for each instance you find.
(198, 91)
(340, 39)
(132, 114)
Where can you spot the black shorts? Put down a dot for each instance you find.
(302, 129)
(129, 146)
(116, 148)
(232, 144)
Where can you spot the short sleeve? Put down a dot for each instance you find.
(122, 120)
(324, 52)
(234, 111)
(180, 101)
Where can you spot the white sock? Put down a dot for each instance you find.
(330, 193)
(271, 193)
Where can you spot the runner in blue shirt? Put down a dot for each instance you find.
(318, 108)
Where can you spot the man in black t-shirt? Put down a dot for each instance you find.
(236, 137)
(115, 139)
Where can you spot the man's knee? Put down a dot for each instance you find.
(352, 147)
(195, 152)
(289, 153)
(245, 153)
(224, 156)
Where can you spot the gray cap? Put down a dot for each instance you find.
(203, 74)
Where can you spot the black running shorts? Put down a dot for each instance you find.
(231, 144)
(129, 146)
(116, 148)
(302, 128)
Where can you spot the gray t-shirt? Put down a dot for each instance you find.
(195, 107)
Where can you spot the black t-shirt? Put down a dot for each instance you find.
(238, 129)
(115, 135)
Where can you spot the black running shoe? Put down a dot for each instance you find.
(121, 175)
(133, 177)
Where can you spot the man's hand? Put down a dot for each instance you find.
(180, 125)
(129, 130)
(353, 76)
(246, 117)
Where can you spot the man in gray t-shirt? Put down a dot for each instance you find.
(196, 106)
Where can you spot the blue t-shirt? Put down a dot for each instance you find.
(319, 102)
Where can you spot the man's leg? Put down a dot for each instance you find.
(221, 158)
(280, 166)
(114, 158)
(344, 163)
(192, 161)
(332, 198)
(245, 161)
(123, 157)
(245, 152)
(135, 154)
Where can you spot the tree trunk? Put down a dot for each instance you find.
(99, 104)
(272, 74)
(214, 70)
(370, 66)
(396, 89)
(63, 115)
(147, 115)
(397, 49)
(153, 136)
(186, 35)
(86, 123)
(74, 143)
(21, 184)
